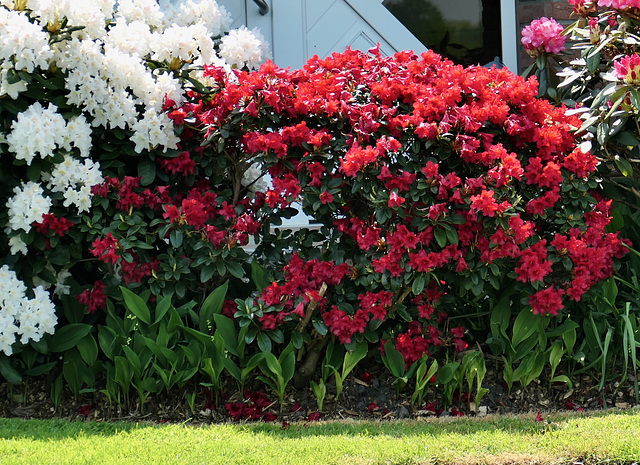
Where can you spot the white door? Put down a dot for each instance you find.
(300, 29)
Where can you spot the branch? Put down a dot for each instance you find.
(312, 306)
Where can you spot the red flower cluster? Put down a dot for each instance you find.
(50, 223)
(106, 249)
(94, 298)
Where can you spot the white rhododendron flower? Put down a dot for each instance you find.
(243, 47)
(19, 315)
(90, 14)
(23, 43)
(214, 17)
(36, 131)
(27, 205)
(11, 89)
(152, 130)
(134, 37)
(140, 10)
(75, 179)
(17, 245)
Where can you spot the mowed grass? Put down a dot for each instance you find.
(608, 437)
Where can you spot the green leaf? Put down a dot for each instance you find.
(418, 284)
(176, 237)
(147, 171)
(235, 269)
(352, 358)
(136, 305)
(68, 336)
(9, 372)
(447, 373)
(40, 369)
(88, 348)
(163, 306)
(624, 167)
(441, 237)
(627, 138)
(207, 272)
(258, 275)
(264, 342)
(393, 359)
(565, 327)
(212, 305)
(228, 333)
(525, 325)
(133, 359)
(593, 61)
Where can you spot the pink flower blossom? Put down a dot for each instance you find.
(543, 35)
(628, 69)
(620, 4)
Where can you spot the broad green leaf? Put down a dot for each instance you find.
(393, 359)
(447, 373)
(146, 170)
(235, 269)
(162, 307)
(40, 369)
(133, 359)
(525, 325)
(136, 305)
(351, 359)
(624, 167)
(68, 336)
(441, 237)
(418, 284)
(212, 305)
(9, 372)
(288, 364)
(88, 349)
(264, 342)
(258, 275)
(228, 333)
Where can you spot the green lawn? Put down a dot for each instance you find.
(612, 437)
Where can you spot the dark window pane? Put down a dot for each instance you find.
(466, 31)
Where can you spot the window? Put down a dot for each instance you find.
(469, 32)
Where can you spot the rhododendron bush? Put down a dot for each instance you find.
(432, 185)
(90, 161)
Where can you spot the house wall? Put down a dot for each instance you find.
(528, 10)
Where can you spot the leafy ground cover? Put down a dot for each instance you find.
(557, 439)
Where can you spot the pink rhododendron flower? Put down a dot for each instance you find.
(543, 35)
(620, 4)
(628, 69)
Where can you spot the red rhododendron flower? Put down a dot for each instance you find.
(50, 223)
(106, 249)
(547, 301)
(94, 298)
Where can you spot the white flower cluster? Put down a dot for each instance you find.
(75, 180)
(214, 17)
(19, 315)
(92, 15)
(243, 47)
(23, 44)
(27, 205)
(42, 131)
